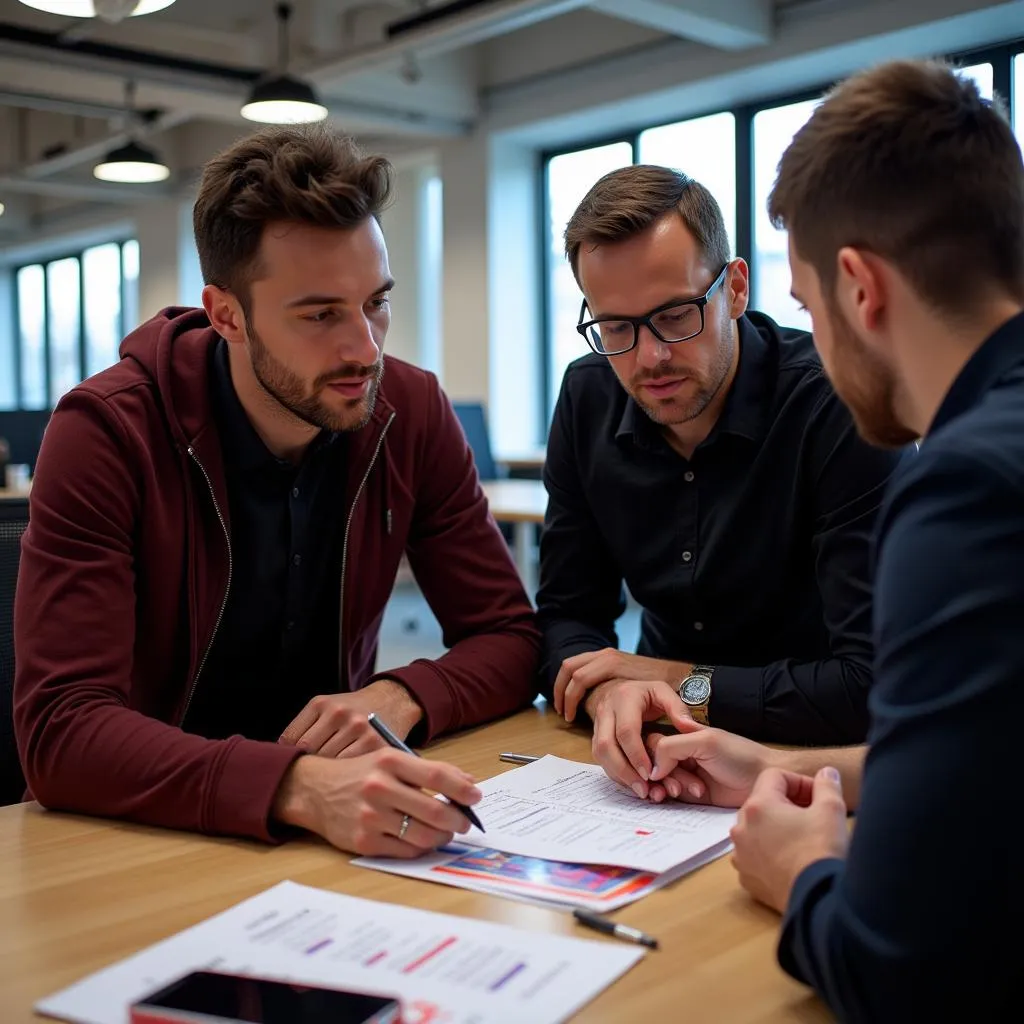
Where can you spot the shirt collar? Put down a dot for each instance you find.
(1002, 350)
(747, 405)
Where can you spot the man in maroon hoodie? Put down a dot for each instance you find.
(216, 525)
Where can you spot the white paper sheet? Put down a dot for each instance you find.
(569, 811)
(442, 968)
(533, 880)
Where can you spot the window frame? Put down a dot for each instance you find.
(77, 253)
(1000, 56)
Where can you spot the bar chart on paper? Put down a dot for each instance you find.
(442, 968)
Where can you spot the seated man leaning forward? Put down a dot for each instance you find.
(700, 455)
(216, 526)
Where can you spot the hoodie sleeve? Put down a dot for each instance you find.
(83, 746)
(467, 574)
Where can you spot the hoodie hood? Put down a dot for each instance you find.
(189, 334)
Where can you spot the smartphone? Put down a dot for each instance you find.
(207, 997)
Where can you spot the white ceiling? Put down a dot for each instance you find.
(62, 79)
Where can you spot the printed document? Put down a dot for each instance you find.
(563, 810)
(601, 887)
(442, 968)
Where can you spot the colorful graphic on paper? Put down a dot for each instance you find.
(549, 878)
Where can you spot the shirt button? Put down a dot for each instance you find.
(295, 492)
(296, 559)
(687, 556)
(688, 476)
(698, 626)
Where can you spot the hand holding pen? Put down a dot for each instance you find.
(393, 741)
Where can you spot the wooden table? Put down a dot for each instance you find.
(521, 503)
(529, 462)
(77, 894)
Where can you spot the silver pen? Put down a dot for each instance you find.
(517, 758)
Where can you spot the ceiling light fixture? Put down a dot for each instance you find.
(108, 10)
(280, 98)
(132, 163)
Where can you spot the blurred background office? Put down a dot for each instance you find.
(498, 114)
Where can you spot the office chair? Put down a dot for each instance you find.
(13, 520)
(474, 425)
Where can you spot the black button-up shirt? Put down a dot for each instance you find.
(277, 643)
(752, 556)
(919, 923)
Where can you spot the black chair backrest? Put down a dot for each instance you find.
(13, 520)
(474, 425)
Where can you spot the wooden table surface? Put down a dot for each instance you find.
(77, 894)
(516, 501)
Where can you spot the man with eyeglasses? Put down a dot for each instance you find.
(700, 457)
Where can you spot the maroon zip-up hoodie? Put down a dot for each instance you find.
(126, 564)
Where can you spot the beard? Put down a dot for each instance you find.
(289, 390)
(676, 409)
(867, 385)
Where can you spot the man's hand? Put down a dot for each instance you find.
(358, 804)
(788, 822)
(583, 672)
(724, 765)
(335, 724)
(619, 711)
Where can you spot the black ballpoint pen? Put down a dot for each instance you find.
(620, 931)
(393, 741)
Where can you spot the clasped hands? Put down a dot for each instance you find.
(786, 821)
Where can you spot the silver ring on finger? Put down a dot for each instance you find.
(405, 826)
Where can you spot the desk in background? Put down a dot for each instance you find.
(527, 465)
(77, 894)
(522, 504)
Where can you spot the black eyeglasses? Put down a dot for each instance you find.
(671, 323)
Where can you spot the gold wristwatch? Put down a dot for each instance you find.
(695, 692)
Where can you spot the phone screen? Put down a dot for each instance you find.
(260, 1001)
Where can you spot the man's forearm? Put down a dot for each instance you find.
(398, 706)
(848, 761)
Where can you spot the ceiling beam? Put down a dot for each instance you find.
(735, 25)
(219, 90)
(441, 35)
(92, 191)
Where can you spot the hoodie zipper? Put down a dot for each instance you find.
(342, 660)
(227, 588)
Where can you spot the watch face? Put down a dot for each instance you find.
(696, 690)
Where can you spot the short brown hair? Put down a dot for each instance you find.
(626, 202)
(909, 162)
(301, 173)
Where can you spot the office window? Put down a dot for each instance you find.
(31, 337)
(64, 327)
(982, 75)
(705, 149)
(130, 285)
(773, 131)
(71, 315)
(101, 278)
(1018, 97)
(568, 179)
